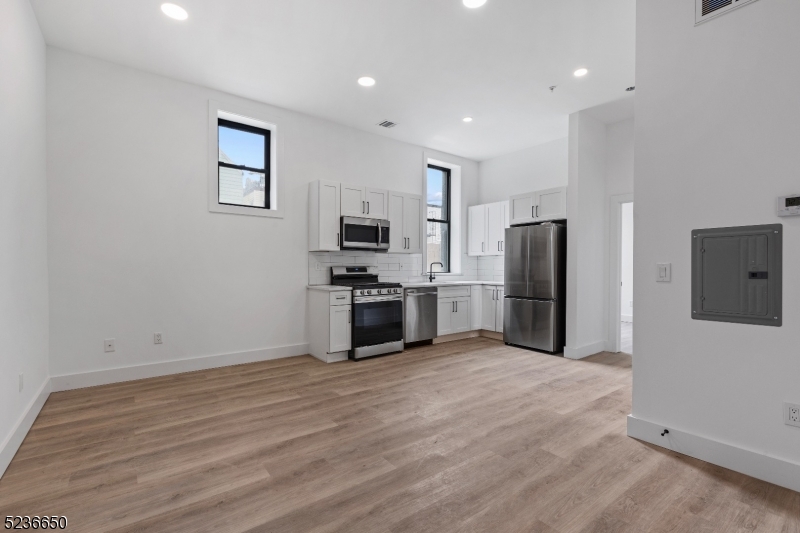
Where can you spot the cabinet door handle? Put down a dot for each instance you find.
(368, 208)
(533, 211)
(363, 208)
(337, 240)
(349, 312)
(456, 302)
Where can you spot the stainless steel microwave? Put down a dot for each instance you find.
(365, 234)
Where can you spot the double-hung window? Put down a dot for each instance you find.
(438, 206)
(244, 165)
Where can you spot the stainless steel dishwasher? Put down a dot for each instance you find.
(421, 314)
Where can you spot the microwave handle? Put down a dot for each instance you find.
(379, 233)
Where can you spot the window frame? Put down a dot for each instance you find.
(253, 114)
(448, 220)
(267, 134)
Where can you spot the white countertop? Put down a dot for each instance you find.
(329, 288)
(437, 283)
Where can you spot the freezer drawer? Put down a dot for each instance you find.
(532, 324)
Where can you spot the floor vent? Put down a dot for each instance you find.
(708, 9)
(387, 124)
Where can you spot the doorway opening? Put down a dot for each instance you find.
(620, 298)
(626, 279)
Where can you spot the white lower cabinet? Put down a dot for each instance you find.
(453, 315)
(330, 316)
(341, 329)
(492, 308)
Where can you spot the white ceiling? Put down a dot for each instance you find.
(435, 61)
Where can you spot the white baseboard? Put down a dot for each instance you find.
(12, 443)
(152, 370)
(584, 351)
(754, 464)
(626, 318)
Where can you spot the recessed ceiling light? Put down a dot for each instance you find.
(366, 81)
(581, 72)
(472, 4)
(467, 119)
(175, 12)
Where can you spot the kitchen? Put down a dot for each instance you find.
(382, 312)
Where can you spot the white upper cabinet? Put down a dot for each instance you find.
(405, 216)
(354, 201)
(323, 208)
(397, 241)
(496, 227)
(522, 208)
(551, 204)
(377, 203)
(487, 229)
(329, 201)
(412, 223)
(476, 230)
(538, 206)
(364, 202)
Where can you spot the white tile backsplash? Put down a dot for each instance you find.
(491, 268)
(391, 267)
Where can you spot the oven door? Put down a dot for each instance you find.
(365, 234)
(377, 320)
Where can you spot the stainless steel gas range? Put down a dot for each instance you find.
(377, 311)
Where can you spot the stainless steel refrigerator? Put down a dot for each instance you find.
(535, 287)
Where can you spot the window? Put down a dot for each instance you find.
(244, 164)
(439, 216)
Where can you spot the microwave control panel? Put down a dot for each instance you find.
(789, 205)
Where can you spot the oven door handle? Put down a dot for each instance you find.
(371, 299)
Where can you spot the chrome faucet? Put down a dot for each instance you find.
(431, 277)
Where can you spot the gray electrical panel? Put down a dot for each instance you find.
(737, 275)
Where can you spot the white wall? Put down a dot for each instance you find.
(133, 248)
(23, 222)
(539, 167)
(626, 264)
(619, 161)
(587, 241)
(717, 129)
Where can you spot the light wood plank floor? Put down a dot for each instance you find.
(469, 436)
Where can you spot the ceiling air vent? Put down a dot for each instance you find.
(708, 9)
(387, 124)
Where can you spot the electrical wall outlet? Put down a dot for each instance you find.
(792, 414)
(21, 382)
(157, 338)
(109, 345)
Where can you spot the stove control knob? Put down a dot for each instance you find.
(369, 292)
(397, 291)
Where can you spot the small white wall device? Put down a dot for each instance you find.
(789, 205)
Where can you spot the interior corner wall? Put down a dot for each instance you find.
(587, 244)
(23, 225)
(717, 128)
(543, 166)
(133, 248)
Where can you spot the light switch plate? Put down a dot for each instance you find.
(109, 345)
(664, 272)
